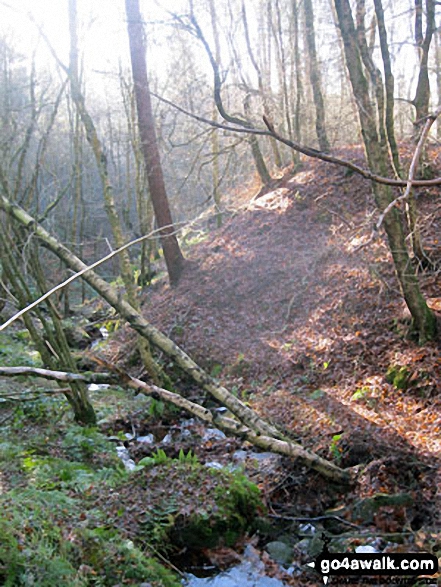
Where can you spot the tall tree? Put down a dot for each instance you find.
(380, 163)
(421, 100)
(389, 83)
(315, 77)
(172, 252)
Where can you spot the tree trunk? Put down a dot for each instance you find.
(262, 90)
(150, 364)
(389, 86)
(422, 93)
(51, 341)
(314, 76)
(379, 162)
(172, 253)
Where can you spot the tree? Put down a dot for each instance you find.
(379, 162)
(98, 151)
(314, 76)
(421, 100)
(22, 261)
(389, 83)
(172, 252)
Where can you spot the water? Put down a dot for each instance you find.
(247, 574)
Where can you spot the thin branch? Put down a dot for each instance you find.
(413, 167)
(308, 151)
(80, 273)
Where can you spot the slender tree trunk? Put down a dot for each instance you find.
(259, 161)
(215, 131)
(379, 162)
(389, 86)
(282, 69)
(421, 100)
(261, 86)
(298, 78)
(438, 79)
(172, 253)
(51, 341)
(314, 76)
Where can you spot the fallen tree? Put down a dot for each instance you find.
(249, 424)
(228, 425)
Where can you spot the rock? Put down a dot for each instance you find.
(280, 552)
(214, 465)
(77, 337)
(149, 439)
(213, 434)
(303, 546)
(123, 454)
(168, 439)
(366, 549)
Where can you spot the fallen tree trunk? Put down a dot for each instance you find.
(227, 425)
(250, 425)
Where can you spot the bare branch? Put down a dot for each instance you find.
(413, 167)
(228, 425)
(308, 151)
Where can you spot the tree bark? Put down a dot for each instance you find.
(172, 252)
(421, 100)
(389, 83)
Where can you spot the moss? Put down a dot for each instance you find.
(50, 539)
(398, 376)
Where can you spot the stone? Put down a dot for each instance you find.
(280, 552)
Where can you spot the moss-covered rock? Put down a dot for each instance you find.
(398, 376)
(186, 504)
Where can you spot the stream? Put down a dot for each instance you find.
(250, 572)
(247, 574)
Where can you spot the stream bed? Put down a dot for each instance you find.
(247, 574)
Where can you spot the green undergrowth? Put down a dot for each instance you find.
(52, 533)
(48, 539)
(71, 515)
(16, 350)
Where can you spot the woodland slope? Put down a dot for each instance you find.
(282, 305)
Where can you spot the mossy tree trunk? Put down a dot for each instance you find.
(380, 163)
(50, 340)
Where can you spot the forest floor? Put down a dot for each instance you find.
(285, 308)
